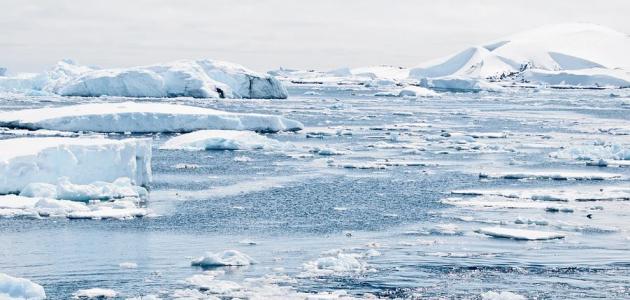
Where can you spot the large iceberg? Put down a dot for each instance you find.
(575, 55)
(183, 78)
(142, 117)
(79, 160)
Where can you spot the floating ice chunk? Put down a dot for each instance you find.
(492, 295)
(128, 265)
(99, 190)
(221, 140)
(94, 293)
(551, 174)
(457, 83)
(520, 234)
(142, 117)
(225, 258)
(416, 91)
(119, 210)
(594, 152)
(210, 284)
(335, 264)
(14, 288)
(81, 160)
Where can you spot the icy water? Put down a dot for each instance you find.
(389, 216)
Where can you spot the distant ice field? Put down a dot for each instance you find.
(377, 196)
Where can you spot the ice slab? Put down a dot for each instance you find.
(520, 234)
(14, 288)
(142, 117)
(221, 140)
(80, 160)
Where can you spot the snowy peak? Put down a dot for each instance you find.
(567, 52)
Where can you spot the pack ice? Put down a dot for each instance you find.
(79, 160)
(142, 117)
(183, 78)
(575, 55)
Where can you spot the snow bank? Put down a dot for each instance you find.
(184, 78)
(225, 258)
(141, 117)
(80, 160)
(13, 288)
(221, 140)
(520, 234)
(574, 55)
(94, 293)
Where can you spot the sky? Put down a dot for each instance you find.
(267, 34)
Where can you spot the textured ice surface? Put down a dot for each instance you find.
(80, 160)
(142, 117)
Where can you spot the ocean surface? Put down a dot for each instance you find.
(397, 213)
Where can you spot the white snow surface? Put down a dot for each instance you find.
(141, 117)
(225, 258)
(221, 140)
(183, 78)
(568, 55)
(79, 160)
(520, 234)
(14, 288)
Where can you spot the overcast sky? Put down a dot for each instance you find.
(266, 34)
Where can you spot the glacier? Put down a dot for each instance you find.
(182, 78)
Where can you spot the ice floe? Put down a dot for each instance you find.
(550, 174)
(14, 288)
(337, 263)
(222, 140)
(520, 234)
(79, 160)
(94, 293)
(141, 117)
(501, 295)
(184, 78)
(221, 259)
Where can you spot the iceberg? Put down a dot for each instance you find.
(80, 160)
(221, 140)
(573, 55)
(13, 288)
(141, 118)
(183, 78)
(382, 75)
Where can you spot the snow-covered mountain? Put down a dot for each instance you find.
(568, 55)
(184, 78)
